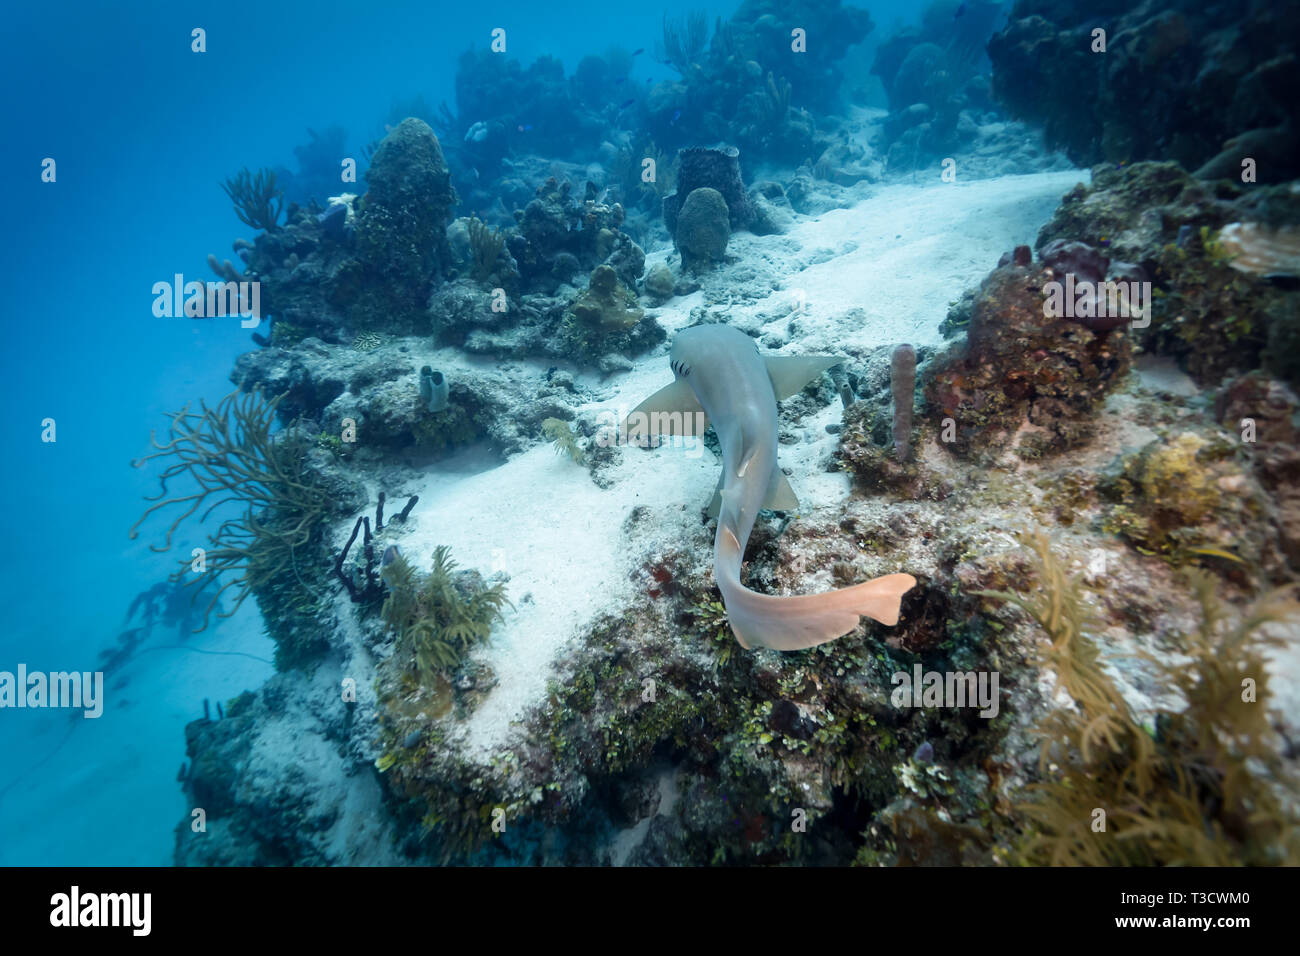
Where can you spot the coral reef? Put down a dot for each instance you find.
(1229, 70)
(559, 237)
(1157, 223)
(1022, 379)
(614, 720)
(935, 77)
(1196, 785)
(605, 317)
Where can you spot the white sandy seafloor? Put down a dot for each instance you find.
(880, 273)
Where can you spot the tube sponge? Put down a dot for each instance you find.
(902, 383)
(433, 389)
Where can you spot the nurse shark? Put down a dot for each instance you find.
(720, 377)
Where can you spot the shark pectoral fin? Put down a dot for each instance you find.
(781, 497)
(673, 410)
(790, 373)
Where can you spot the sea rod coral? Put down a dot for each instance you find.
(228, 454)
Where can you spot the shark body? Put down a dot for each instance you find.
(720, 377)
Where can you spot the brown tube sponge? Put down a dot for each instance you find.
(902, 383)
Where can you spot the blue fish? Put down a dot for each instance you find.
(638, 51)
(677, 114)
(960, 10)
(626, 104)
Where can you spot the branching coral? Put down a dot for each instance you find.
(437, 622)
(684, 41)
(1199, 787)
(258, 202)
(561, 435)
(485, 244)
(230, 456)
(777, 104)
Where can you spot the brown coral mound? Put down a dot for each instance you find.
(1022, 379)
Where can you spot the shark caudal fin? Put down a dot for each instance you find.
(794, 623)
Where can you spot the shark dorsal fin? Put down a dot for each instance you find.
(790, 373)
(673, 410)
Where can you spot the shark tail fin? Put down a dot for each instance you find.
(794, 623)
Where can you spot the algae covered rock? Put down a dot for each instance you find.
(1177, 495)
(606, 303)
(1022, 379)
(605, 318)
(1265, 415)
(659, 283)
(703, 228)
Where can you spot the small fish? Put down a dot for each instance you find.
(1104, 240)
(625, 104)
(391, 554)
(1184, 234)
(924, 753)
(638, 51)
(525, 127)
(677, 114)
(620, 81)
(960, 10)
(1217, 553)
